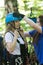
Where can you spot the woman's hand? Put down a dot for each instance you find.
(16, 34)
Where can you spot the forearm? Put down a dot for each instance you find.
(30, 22)
(11, 46)
(14, 43)
(34, 25)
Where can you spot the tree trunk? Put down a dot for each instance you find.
(11, 6)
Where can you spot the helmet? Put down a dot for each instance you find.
(9, 18)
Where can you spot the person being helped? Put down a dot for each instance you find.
(14, 41)
(37, 35)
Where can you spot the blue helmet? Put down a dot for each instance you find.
(10, 18)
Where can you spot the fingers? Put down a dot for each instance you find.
(16, 33)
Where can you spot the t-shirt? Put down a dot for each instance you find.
(9, 38)
(39, 46)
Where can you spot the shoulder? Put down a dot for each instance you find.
(8, 37)
(8, 34)
(32, 32)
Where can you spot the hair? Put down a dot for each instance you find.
(9, 27)
(41, 20)
(36, 35)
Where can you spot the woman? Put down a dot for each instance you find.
(14, 40)
(37, 35)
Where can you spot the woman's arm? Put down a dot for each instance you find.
(34, 25)
(11, 46)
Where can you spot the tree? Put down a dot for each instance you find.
(11, 6)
